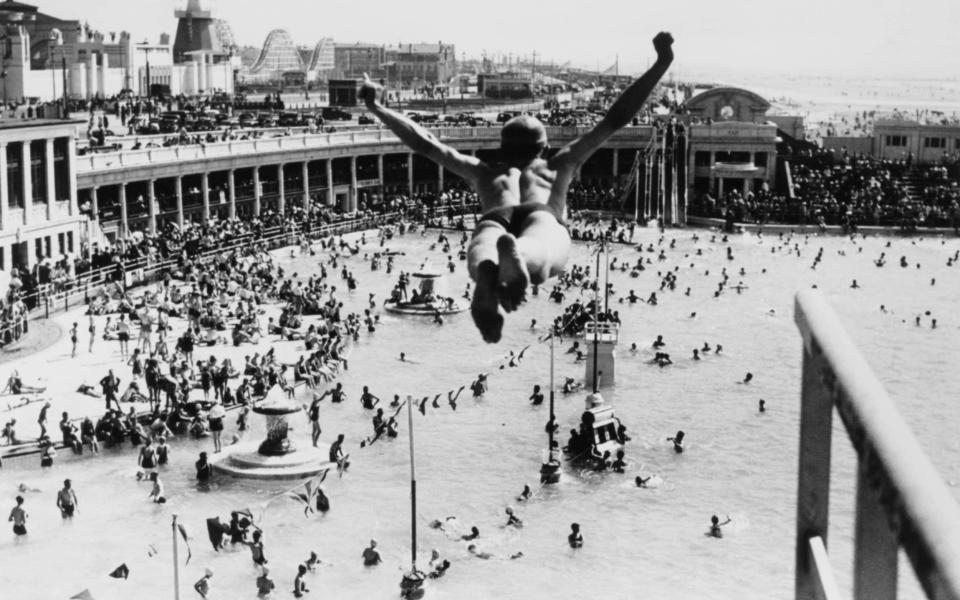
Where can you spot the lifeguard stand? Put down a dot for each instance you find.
(608, 336)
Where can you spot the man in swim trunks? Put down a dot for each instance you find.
(521, 238)
(19, 517)
(370, 555)
(67, 500)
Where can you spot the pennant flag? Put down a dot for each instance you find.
(305, 497)
(121, 572)
(186, 541)
(342, 465)
(84, 595)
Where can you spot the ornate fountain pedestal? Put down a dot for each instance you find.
(276, 457)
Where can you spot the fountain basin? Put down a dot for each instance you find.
(245, 460)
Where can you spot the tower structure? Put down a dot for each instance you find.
(200, 34)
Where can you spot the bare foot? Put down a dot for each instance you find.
(513, 279)
(485, 307)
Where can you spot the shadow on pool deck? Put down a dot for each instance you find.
(43, 333)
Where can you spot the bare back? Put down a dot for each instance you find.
(508, 185)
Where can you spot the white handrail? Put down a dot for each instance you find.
(902, 502)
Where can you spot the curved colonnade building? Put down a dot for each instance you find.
(127, 190)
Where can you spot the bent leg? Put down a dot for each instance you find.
(482, 262)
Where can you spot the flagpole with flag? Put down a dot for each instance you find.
(176, 566)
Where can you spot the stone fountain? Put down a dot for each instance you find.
(277, 456)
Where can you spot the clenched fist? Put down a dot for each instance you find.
(663, 44)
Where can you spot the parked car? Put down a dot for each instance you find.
(247, 119)
(365, 120)
(333, 113)
(289, 119)
(267, 120)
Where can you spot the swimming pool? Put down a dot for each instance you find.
(472, 462)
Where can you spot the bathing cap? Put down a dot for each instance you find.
(522, 131)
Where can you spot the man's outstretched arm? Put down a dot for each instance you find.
(622, 111)
(417, 138)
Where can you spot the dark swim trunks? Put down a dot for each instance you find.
(511, 218)
(20, 529)
(67, 510)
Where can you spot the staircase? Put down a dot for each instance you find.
(913, 185)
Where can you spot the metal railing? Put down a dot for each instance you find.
(149, 156)
(902, 502)
(44, 300)
(606, 331)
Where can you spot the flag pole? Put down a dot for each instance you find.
(636, 194)
(413, 491)
(176, 565)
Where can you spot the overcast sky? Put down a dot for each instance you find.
(853, 38)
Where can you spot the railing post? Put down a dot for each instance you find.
(46, 306)
(813, 493)
(876, 543)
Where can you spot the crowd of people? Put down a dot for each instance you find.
(837, 188)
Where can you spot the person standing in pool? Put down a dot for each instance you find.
(313, 413)
(204, 470)
(42, 419)
(67, 500)
(370, 555)
(19, 518)
(575, 539)
(521, 238)
(299, 585)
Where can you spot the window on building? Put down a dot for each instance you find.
(760, 159)
(38, 170)
(61, 169)
(69, 241)
(701, 158)
(15, 174)
(896, 140)
(934, 142)
(957, 146)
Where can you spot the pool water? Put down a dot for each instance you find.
(472, 462)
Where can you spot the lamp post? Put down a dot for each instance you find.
(4, 44)
(55, 40)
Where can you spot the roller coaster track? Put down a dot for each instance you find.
(275, 39)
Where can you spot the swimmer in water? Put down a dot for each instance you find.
(370, 555)
(512, 519)
(677, 442)
(641, 481)
(525, 494)
(474, 534)
(619, 465)
(696, 354)
(521, 238)
(715, 526)
(575, 539)
(748, 378)
(762, 405)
